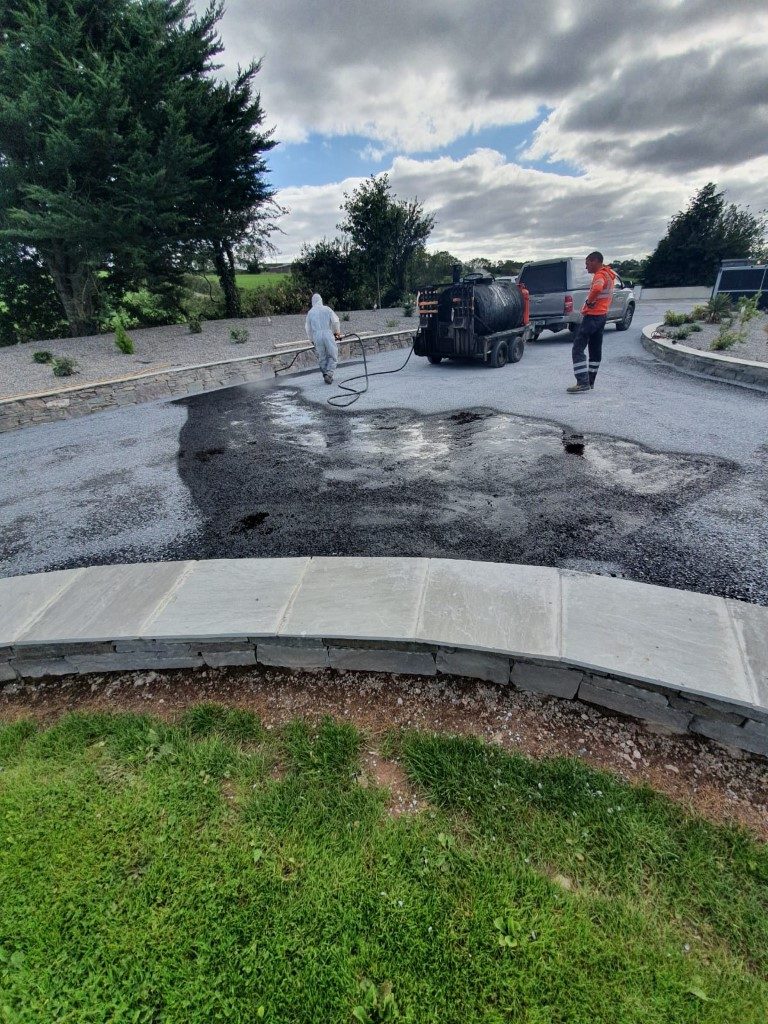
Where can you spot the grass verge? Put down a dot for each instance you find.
(259, 280)
(212, 870)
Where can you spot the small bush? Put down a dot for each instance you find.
(718, 308)
(42, 357)
(391, 324)
(699, 312)
(239, 335)
(695, 328)
(681, 333)
(672, 319)
(408, 305)
(726, 338)
(345, 317)
(195, 325)
(63, 366)
(123, 340)
(749, 308)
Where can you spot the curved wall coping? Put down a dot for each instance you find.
(671, 656)
(747, 372)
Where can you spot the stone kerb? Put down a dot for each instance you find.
(743, 372)
(679, 660)
(176, 382)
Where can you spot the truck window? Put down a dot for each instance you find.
(546, 277)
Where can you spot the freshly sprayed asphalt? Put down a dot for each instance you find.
(655, 476)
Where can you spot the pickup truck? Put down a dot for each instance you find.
(558, 289)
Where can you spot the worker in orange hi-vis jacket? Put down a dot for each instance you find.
(589, 335)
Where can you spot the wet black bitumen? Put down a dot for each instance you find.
(275, 476)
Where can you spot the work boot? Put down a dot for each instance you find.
(328, 378)
(576, 389)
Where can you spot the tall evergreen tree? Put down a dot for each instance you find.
(119, 152)
(699, 237)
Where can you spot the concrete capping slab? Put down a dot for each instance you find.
(655, 653)
(748, 373)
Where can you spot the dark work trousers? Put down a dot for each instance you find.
(589, 335)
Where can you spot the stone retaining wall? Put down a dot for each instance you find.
(658, 706)
(745, 372)
(673, 658)
(82, 399)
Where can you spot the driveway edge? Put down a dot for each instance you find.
(744, 372)
(675, 659)
(81, 400)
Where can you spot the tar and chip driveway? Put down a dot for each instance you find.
(669, 484)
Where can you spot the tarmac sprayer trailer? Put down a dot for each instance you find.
(475, 317)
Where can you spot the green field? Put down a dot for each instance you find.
(259, 280)
(217, 871)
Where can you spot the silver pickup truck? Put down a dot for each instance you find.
(558, 289)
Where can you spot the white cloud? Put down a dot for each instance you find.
(650, 99)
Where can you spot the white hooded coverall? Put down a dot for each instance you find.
(320, 325)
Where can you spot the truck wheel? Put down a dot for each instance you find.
(516, 350)
(626, 320)
(499, 354)
(435, 359)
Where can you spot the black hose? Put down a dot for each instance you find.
(345, 400)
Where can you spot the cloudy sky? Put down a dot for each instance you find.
(528, 127)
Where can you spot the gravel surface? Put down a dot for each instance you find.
(158, 348)
(721, 785)
(667, 484)
(754, 346)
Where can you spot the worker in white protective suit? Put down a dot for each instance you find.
(322, 327)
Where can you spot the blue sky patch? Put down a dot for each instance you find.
(324, 159)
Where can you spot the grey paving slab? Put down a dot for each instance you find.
(358, 599)
(655, 634)
(751, 624)
(288, 656)
(23, 598)
(230, 598)
(485, 606)
(106, 602)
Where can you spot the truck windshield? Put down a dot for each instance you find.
(546, 277)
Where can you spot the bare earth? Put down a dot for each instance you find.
(719, 784)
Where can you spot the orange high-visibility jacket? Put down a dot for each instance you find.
(600, 294)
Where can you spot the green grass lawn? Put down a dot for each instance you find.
(259, 280)
(215, 871)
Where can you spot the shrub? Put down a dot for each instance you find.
(239, 335)
(699, 312)
(672, 319)
(681, 333)
(726, 338)
(195, 325)
(695, 328)
(408, 306)
(749, 308)
(42, 357)
(123, 340)
(718, 308)
(345, 317)
(391, 324)
(63, 366)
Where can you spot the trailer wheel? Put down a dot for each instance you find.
(516, 350)
(434, 359)
(499, 354)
